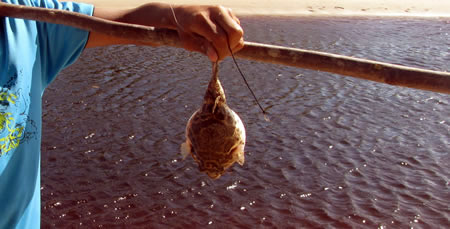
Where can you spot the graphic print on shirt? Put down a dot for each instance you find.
(14, 108)
(11, 132)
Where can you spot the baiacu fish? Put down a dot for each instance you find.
(215, 135)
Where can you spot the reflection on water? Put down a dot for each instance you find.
(338, 151)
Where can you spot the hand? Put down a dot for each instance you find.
(209, 30)
(205, 29)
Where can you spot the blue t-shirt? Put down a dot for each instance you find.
(31, 55)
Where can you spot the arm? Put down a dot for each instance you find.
(203, 29)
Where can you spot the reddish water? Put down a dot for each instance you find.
(338, 153)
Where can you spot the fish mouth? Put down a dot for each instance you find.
(213, 175)
(213, 169)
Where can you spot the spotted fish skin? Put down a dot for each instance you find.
(215, 135)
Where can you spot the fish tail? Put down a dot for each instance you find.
(215, 90)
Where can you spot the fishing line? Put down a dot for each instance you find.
(245, 80)
(237, 66)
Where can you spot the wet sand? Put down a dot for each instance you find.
(402, 8)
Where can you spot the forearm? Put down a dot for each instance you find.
(151, 14)
(211, 30)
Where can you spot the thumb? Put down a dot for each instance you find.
(193, 42)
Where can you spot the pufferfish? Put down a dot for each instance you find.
(215, 135)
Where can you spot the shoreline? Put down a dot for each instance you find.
(347, 15)
(313, 8)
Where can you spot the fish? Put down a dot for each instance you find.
(215, 134)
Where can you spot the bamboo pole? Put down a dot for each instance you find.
(396, 75)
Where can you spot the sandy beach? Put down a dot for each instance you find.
(401, 8)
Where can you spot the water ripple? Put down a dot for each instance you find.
(339, 152)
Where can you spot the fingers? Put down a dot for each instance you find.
(231, 25)
(230, 12)
(212, 31)
(193, 42)
(240, 43)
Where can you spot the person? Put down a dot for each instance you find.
(32, 54)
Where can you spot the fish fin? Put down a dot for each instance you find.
(185, 149)
(240, 153)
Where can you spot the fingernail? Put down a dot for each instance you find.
(212, 54)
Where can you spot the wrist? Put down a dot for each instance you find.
(151, 14)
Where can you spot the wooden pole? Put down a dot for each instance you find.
(392, 74)
(360, 68)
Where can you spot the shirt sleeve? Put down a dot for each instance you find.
(60, 45)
